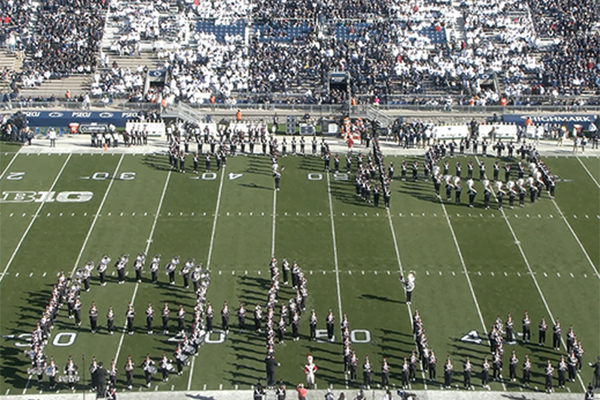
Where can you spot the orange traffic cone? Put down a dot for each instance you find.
(105, 147)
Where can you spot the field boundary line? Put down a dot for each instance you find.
(208, 259)
(149, 242)
(37, 213)
(8, 166)
(408, 307)
(588, 171)
(83, 246)
(535, 281)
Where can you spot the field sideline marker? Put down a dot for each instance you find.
(83, 246)
(539, 289)
(588, 172)
(32, 220)
(149, 242)
(208, 259)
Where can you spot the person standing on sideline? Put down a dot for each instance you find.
(52, 137)
(271, 364)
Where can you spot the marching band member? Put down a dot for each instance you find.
(120, 266)
(562, 371)
(138, 266)
(225, 317)
(185, 272)
(166, 313)
(512, 193)
(51, 371)
(512, 366)
(171, 268)
(110, 320)
(526, 371)
(71, 373)
(77, 311)
(195, 277)
(432, 366)
(499, 194)
(154, 266)
(330, 321)
(241, 317)
(485, 373)
(129, 367)
(457, 189)
(210, 313)
(542, 332)
(149, 318)
(367, 373)
(93, 317)
(149, 369)
(409, 285)
(165, 366)
(449, 187)
(180, 359)
(549, 373)
(257, 317)
(467, 371)
(385, 373)
(129, 315)
(93, 369)
(181, 319)
(487, 193)
(112, 373)
(472, 192)
(522, 192)
(448, 367)
(313, 324)
(556, 335)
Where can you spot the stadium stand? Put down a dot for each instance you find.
(481, 51)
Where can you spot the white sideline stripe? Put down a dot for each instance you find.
(577, 239)
(462, 262)
(37, 213)
(210, 249)
(83, 246)
(588, 172)
(409, 309)
(137, 285)
(335, 256)
(539, 289)
(8, 166)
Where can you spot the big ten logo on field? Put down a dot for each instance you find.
(31, 196)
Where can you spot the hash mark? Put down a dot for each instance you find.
(221, 386)
(245, 272)
(551, 216)
(363, 272)
(585, 275)
(323, 272)
(479, 273)
(558, 274)
(43, 275)
(453, 274)
(310, 272)
(24, 214)
(545, 275)
(388, 272)
(85, 214)
(518, 274)
(572, 276)
(31, 274)
(204, 388)
(440, 272)
(232, 272)
(492, 273)
(16, 275)
(11, 214)
(349, 272)
(427, 272)
(375, 272)
(505, 274)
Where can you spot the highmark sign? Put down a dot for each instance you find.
(563, 119)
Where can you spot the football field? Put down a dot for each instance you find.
(59, 211)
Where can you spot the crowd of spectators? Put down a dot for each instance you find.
(390, 48)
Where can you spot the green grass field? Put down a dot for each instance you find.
(471, 265)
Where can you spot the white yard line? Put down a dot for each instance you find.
(335, 256)
(210, 249)
(577, 239)
(149, 242)
(335, 259)
(83, 246)
(12, 257)
(8, 166)
(464, 266)
(535, 281)
(588, 172)
(409, 309)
